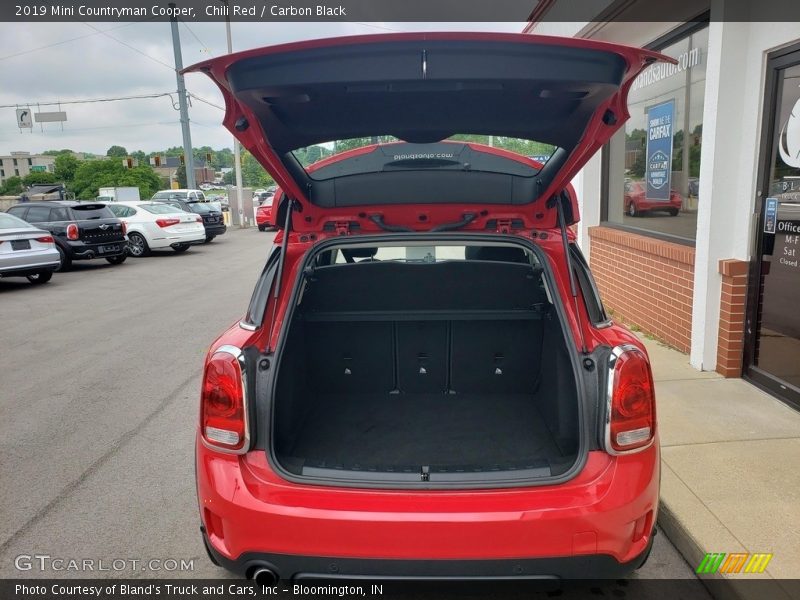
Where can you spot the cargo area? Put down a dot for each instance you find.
(426, 370)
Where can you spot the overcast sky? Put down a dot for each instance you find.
(73, 61)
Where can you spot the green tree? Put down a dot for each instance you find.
(117, 151)
(253, 174)
(180, 175)
(90, 176)
(57, 152)
(39, 177)
(12, 186)
(65, 167)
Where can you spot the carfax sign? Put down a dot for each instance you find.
(658, 168)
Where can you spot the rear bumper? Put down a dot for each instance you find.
(596, 566)
(215, 228)
(598, 524)
(178, 239)
(29, 262)
(81, 251)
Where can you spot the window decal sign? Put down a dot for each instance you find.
(770, 215)
(658, 169)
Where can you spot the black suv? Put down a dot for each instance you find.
(212, 218)
(82, 230)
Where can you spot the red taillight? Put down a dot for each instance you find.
(46, 239)
(72, 231)
(631, 410)
(167, 222)
(124, 228)
(199, 219)
(223, 405)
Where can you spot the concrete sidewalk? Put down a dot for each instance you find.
(730, 469)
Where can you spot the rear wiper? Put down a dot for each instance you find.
(466, 220)
(378, 220)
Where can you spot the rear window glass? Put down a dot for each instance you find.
(438, 155)
(436, 253)
(160, 209)
(12, 222)
(92, 211)
(201, 208)
(170, 194)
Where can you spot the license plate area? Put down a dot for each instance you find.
(20, 244)
(107, 249)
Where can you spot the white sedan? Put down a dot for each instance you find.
(154, 226)
(26, 251)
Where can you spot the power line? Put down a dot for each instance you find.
(196, 97)
(127, 45)
(80, 37)
(199, 41)
(89, 100)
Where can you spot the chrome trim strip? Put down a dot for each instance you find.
(247, 326)
(236, 353)
(612, 361)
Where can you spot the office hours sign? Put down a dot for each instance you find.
(658, 168)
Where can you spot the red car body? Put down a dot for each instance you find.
(636, 201)
(598, 523)
(264, 217)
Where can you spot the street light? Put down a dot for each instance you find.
(237, 157)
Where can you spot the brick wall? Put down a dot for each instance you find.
(731, 317)
(645, 282)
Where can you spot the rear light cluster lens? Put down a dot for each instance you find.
(124, 228)
(199, 219)
(223, 402)
(167, 222)
(631, 406)
(72, 231)
(46, 239)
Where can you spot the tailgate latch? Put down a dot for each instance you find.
(342, 227)
(504, 225)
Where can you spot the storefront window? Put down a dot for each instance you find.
(653, 165)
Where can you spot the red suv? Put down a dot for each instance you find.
(425, 383)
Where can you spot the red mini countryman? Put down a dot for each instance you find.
(425, 383)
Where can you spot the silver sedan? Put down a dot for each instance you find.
(26, 251)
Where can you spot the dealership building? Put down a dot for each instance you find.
(691, 213)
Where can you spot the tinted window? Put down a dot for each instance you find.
(38, 214)
(92, 211)
(17, 211)
(59, 214)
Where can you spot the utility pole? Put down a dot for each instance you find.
(187, 136)
(237, 156)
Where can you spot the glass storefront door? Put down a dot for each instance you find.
(772, 347)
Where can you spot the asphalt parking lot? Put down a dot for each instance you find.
(100, 379)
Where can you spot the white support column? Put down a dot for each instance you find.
(724, 190)
(587, 187)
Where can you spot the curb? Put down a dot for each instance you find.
(718, 586)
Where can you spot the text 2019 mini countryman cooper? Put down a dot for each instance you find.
(425, 383)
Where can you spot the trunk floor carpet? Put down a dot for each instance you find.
(411, 430)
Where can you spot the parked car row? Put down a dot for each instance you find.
(38, 238)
